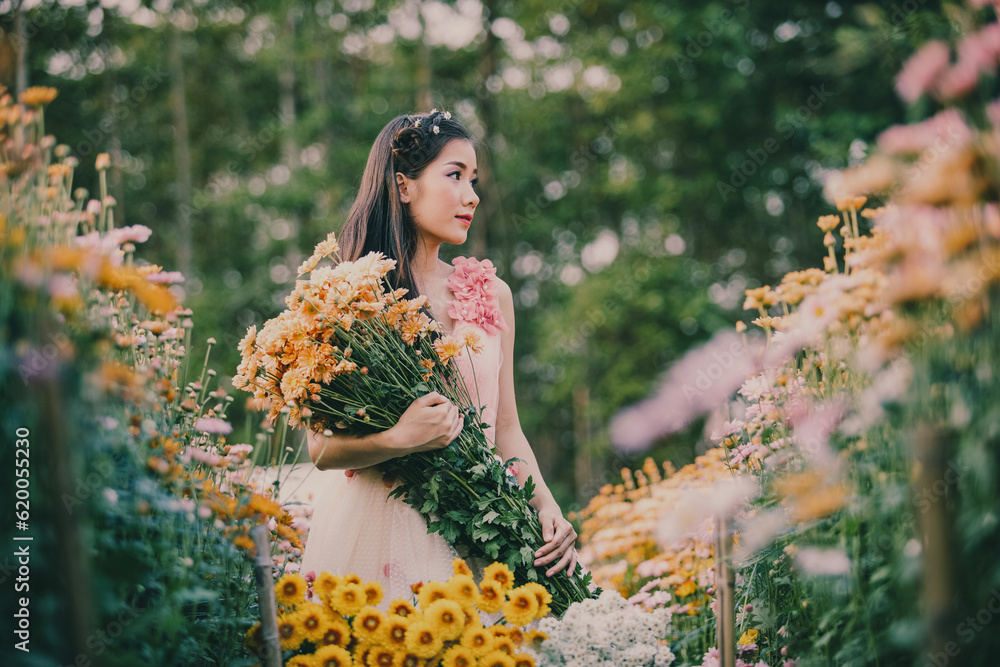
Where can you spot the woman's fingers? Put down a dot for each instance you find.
(561, 542)
(433, 398)
(563, 562)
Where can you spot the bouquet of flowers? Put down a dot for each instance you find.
(352, 354)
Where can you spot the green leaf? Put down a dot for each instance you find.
(484, 533)
(490, 516)
(527, 555)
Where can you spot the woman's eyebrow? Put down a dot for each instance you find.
(461, 165)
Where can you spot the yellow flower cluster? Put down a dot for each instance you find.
(337, 621)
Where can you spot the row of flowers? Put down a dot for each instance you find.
(850, 420)
(163, 500)
(337, 620)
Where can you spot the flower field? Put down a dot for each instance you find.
(124, 456)
(844, 508)
(855, 426)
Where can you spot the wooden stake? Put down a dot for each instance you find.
(265, 596)
(724, 595)
(931, 480)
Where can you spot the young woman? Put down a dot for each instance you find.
(417, 193)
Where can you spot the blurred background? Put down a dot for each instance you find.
(643, 163)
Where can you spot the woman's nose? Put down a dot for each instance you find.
(471, 197)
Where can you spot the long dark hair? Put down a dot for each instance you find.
(378, 220)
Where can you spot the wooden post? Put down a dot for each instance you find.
(77, 612)
(931, 480)
(265, 596)
(724, 596)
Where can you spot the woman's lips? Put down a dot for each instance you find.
(465, 220)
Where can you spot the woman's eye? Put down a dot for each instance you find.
(475, 182)
(456, 174)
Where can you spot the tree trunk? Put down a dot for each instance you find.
(289, 151)
(583, 471)
(490, 205)
(182, 148)
(21, 51)
(422, 76)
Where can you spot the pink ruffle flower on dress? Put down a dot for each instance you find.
(474, 284)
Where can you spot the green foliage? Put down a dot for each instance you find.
(690, 93)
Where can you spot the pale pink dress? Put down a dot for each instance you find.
(356, 528)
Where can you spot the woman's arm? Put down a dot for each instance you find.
(558, 533)
(431, 422)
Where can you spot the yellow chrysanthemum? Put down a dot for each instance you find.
(523, 660)
(504, 645)
(686, 589)
(290, 631)
(395, 631)
(496, 659)
(301, 661)
(478, 640)
(422, 640)
(458, 656)
(369, 626)
(535, 636)
(361, 652)
(37, 96)
(326, 583)
(431, 592)
(499, 573)
(499, 631)
(463, 590)
(332, 656)
(352, 579)
(447, 618)
(348, 599)
(491, 596)
(542, 595)
(336, 633)
(383, 656)
(749, 637)
(314, 621)
(291, 589)
(459, 566)
(411, 659)
(401, 607)
(516, 635)
(254, 636)
(521, 607)
(373, 593)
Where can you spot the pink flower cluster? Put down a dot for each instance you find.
(474, 284)
(940, 132)
(929, 70)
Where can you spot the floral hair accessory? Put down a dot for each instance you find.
(436, 129)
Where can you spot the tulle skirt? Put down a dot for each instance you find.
(357, 528)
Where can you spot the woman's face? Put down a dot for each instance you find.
(442, 199)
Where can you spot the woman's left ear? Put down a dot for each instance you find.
(403, 183)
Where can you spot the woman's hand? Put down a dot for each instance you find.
(560, 540)
(431, 422)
